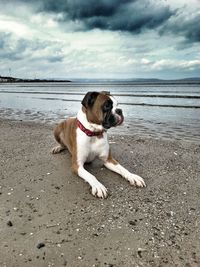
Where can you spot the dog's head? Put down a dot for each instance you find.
(101, 108)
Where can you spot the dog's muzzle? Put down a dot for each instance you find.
(113, 119)
(119, 116)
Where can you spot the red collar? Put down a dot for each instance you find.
(88, 132)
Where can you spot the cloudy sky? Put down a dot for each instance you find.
(100, 38)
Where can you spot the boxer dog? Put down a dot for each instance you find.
(86, 138)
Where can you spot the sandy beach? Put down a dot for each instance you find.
(49, 218)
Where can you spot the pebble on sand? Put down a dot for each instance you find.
(40, 245)
(9, 223)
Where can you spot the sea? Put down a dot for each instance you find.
(151, 109)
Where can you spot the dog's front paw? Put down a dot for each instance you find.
(136, 180)
(99, 190)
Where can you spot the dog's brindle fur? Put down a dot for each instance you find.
(98, 113)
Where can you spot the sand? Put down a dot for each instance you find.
(49, 218)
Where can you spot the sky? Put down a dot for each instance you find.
(109, 39)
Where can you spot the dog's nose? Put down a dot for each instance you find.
(119, 111)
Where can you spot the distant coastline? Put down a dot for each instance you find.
(7, 79)
(141, 81)
(135, 81)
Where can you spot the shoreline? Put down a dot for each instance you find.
(135, 127)
(49, 218)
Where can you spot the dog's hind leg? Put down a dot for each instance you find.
(58, 132)
(58, 149)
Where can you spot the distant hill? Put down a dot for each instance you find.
(136, 81)
(4, 79)
(192, 80)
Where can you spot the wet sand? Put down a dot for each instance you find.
(144, 128)
(49, 218)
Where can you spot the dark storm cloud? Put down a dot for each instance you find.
(131, 16)
(114, 15)
(79, 9)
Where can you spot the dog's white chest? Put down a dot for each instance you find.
(88, 148)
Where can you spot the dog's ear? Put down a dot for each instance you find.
(105, 92)
(89, 99)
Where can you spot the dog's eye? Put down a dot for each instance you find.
(107, 106)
